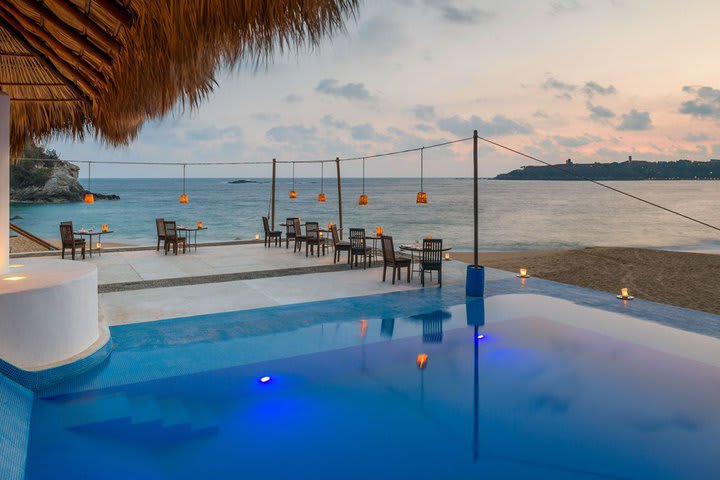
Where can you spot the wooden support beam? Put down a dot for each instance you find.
(48, 58)
(29, 84)
(64, 8)
(77, 61)
(87, 48)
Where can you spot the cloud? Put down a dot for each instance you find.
(424, 128)
(351, 91)
(464, 15)
(599, 113)
(365, 132)
(635, 121)
(562, 90)
(574, 142)
(292, 98)
(705, 105)
(227, 134)
(266, 117)
(331, 121)
(541, 114)
(424, 112)
(499, 125)
(593, 88)
(697, 137)
(565, 6)
(290, 133)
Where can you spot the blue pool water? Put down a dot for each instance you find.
(534, 398)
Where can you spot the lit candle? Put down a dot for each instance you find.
(105, 227)
(257, 236)
(624, 293)
(99, 245)
(330, 224)
(379, 231)
(523, 273)
(200, 224)
(447, 256)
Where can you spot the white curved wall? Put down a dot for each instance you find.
(49, 314)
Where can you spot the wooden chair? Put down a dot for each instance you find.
(299, 237)
(358, 246)
(172, 238)
(431, 259)
(312, 238)
(69, 241)
(160, 227)
(271, 234)
(339, 246)
(390, 260)
(290, 231)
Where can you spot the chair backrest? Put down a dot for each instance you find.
(266, 225)
(312, 230)
(66, 233)
(432, 251)
(388, 249)
(336, 237)
(357, 244)
(298, 227)
(170, 230)
(290, 226)
(357, 232)
(160, 226)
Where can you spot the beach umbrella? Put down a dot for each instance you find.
(72, 68)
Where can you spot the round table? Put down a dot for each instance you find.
(90, 233)
(417, 248)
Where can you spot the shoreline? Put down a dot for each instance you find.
(683, 279)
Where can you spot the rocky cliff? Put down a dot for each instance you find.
(48, 181)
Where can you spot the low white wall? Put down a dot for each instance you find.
(48, 312)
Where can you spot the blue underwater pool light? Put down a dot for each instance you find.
(265, 379)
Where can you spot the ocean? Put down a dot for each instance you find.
(514, 215)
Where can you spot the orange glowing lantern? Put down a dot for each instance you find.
(322, 198)
(330, 225)
(200, 224)
(293, 194)
(89, 198)
(378, 231)
(184, 198)
(363, 200)
(422, 360)
(363, 327)
(421, 198)
(105, 227)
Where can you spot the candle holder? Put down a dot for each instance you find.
(105, 227)
(447, 256)
(624, 295)
(378, 231)
(523, 273)
(200, 224)
(257, 236)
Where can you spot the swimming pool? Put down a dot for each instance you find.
(551, 390)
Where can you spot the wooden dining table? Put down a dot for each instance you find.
(416, 250)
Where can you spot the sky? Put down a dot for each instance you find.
(591, 80)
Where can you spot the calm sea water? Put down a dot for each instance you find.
(514, 215)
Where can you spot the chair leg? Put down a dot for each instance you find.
(158, 245)
(422, 277)
(408, 274)
(62, 255)
(440, 278)
(394, 274)
(73, 253)
(83, 252)
(385, 272)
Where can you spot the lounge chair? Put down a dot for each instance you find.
(271, 234)
(391, 260)
(69, 241)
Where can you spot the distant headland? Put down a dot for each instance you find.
(629, 170)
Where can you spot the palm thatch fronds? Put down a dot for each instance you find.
(104, 67)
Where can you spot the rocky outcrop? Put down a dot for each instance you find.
(52, 182)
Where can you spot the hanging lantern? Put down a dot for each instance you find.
(183, 196)
(363, 198)
(293, 193)
(89, 197)
(421, 361)
(322, 198)
(421, 196)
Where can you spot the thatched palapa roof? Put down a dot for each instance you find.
(106, 66)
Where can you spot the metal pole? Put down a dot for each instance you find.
(272, 214)
(475, 196)
(339, 182)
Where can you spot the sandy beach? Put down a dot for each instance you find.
(677, 278)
